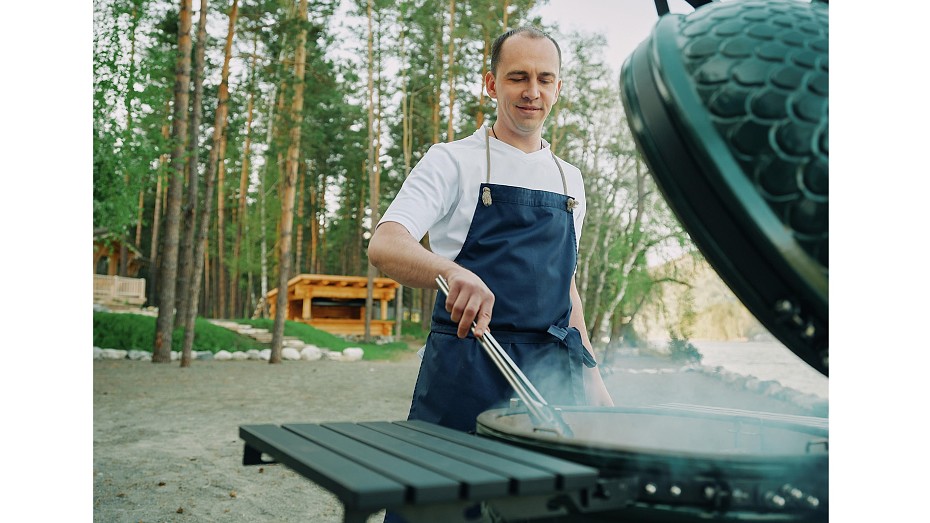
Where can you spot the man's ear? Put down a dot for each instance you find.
(490, 84)
(558, 91)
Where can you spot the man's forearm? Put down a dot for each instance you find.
(577, 318)
(399, 255)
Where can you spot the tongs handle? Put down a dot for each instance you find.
(544, 416)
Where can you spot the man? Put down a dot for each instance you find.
(503, 215)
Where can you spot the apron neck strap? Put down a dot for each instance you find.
(487, 148)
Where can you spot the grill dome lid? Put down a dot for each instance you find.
(728, 106)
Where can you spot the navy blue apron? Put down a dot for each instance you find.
(521, 243)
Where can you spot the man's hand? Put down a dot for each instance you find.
(469, 300)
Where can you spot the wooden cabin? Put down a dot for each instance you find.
(336, 304)
(110, 288)
(108, 248)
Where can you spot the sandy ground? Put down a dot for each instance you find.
(166, 444)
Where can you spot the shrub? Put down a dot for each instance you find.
(137, 331)
(682, 350)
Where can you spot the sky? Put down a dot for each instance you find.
(625, 23)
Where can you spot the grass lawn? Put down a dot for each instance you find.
(137, 331)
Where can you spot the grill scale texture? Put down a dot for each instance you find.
(729, 106)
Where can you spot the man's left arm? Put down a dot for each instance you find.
(595, 389)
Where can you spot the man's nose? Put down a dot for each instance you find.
(532, 90)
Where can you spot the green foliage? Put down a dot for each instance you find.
(325, 340)
(137, 331)
(414, 331)
(682, 350)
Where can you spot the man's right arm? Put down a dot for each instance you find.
(394, 251)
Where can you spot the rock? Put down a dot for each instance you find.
(239, 355)
(352, 354)
(98, 353)
(254, 354)
(113, 354)
(265, 354)
(332, 355)
(290, 354)
(205, 355)
(140, 355)
(175, 355)
(293, 342)
(311, 353)
(222, 355)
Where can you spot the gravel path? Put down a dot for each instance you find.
(166, 445)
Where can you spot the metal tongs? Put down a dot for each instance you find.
(543, 416)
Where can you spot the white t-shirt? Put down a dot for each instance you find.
(441, 192)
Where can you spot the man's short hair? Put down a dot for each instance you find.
(529, 31)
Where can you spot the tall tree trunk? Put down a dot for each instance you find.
(372, 171)
(157, 207)
(216, 157)
(314, 229)
(437, 90)
(189, 211)
(407, 149)
(140, 210)
(161, 352)
(221, 230)
(450, 131)
(243, 189)
(287, 202)
(634, 249)
(299, 243)
(406, 109)
(263, 243)
(127, 106)
(506, 13)
(262, 195)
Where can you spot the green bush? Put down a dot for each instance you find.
(137, 332)
(682, 350)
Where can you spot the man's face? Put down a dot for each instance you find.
(526, 85)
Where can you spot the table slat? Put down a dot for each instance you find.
(477, 483)
(524, 479)
(423, 485)
(355, 486)
(570, 475)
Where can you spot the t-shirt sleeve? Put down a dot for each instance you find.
(427, 195)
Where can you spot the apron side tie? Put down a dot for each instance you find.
(578, 355)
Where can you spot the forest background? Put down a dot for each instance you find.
(237, 144)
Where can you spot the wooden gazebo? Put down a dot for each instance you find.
(111, 288)
(336, 304)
